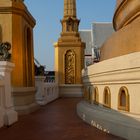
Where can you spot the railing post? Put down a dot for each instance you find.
(40, 93)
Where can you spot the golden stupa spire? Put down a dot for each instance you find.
(69, 8)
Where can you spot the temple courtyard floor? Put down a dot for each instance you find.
(55, 121)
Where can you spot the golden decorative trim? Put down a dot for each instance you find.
(70, 67)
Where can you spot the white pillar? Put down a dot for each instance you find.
(10, 115)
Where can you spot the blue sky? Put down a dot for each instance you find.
(48, 14)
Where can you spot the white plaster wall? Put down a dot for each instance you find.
(134, 92)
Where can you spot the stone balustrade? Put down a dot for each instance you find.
(46, 91)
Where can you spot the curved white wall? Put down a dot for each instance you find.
(116, 73)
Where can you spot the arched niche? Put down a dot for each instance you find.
(123, 99)
(107, 97)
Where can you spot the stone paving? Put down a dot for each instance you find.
(55, 121)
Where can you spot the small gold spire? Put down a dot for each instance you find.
(69, 8)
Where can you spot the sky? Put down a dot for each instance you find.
(48, 14)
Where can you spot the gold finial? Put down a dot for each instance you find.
(69, 8)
